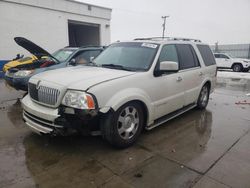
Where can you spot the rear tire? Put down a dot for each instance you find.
(237, 68)
(123, 127)
(203, 97)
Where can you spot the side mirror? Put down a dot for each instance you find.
(72, 62)
(167, 66)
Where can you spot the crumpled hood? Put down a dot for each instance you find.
(80, 77)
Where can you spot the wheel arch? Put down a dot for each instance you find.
(234, 63)
(132, 95)
(207, 81)
(144, 108)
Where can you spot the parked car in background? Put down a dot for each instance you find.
(21, 61)
(129, 87)
(18, 76)
(227, 61)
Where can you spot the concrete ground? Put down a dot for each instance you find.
(199, 149)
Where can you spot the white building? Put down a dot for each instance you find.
(52, 24)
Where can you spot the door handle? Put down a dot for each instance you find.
(201, 74)
(179, 79)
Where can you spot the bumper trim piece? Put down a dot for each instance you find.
(36, 127)
(43, 122)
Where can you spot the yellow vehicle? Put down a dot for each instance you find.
(14, 63)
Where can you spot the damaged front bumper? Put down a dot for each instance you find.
(58, 121)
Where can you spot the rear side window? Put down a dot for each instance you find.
(187, 56)
(206, 55)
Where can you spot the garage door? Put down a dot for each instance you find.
(82, 34)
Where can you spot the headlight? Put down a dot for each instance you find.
(23, 73)
(79, 100)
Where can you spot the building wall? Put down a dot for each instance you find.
(45, 22)
(237, 50)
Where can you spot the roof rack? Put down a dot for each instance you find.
(169, 38)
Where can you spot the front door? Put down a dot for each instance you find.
(170, 85)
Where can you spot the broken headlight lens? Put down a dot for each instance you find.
(79, 100)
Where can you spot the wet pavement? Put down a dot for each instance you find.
(199, 149)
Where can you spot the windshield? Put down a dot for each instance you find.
(129, 55)
(63, 54)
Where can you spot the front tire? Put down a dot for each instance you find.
(237, 68)
(203, 97)
(123, 127)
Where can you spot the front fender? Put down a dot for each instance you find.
(127, 95)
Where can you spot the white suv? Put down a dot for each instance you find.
(226, 61)
(129, 87)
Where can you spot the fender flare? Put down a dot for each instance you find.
(127, 95)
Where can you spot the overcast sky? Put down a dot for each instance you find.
(225, 21)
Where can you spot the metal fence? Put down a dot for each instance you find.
(237, 50)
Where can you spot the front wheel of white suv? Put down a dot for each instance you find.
(203, 97)
(122, 127)
(237, 68)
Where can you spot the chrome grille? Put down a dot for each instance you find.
(44, 94)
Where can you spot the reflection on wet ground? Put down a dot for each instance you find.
(197, 149)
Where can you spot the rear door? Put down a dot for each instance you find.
(210, 64)
(190, 72)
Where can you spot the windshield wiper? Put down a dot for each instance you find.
(117, 67)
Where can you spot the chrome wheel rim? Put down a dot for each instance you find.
(204, 96)
(128, 122)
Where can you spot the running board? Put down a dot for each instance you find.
(170, 116)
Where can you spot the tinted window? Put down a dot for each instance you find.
(216, 55)
(168, 53)
(187, 56)
(206, 55)
(223, 56)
